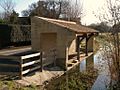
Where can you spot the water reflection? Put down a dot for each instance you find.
(77, 81)
(96, 62)
(83, 66)
(87, 63)
(103, 73)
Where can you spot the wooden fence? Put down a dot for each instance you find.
(21, 63)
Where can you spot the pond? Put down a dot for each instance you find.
(103, 72)
(75, 80)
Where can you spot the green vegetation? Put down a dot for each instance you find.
(11, 85)
(73, 80)
(2, 21)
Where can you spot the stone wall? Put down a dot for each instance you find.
(41, 27)
(90, 44)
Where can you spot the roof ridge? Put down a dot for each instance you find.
(57, 20)
(69, 25)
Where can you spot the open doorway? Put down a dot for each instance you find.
(48, 43)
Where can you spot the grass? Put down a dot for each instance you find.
(11, 85)
(73, 80)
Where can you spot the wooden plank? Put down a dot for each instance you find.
(86, 46)
(12, 58)
(30, 63)
(9, 73)
(21, 69)
(41, 61)
(9, 65)
(78, 48)
(30, 56)
(29, 70)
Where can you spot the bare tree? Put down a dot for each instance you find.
(8, 7)
(51, 9)
(1, 15)
(74, 11)
(63, 9)
(111, 15)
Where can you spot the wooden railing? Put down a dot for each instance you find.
(20, 64)
(23, 63)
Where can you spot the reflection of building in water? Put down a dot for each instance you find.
(83, 66)
(90, 62)
(87, 63)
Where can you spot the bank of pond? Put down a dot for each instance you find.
(88, 75)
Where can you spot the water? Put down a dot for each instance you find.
(72, 79)
(98, 63)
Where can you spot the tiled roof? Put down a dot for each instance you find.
(73, 26)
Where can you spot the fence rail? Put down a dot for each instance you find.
(20, 64)
(23, 63)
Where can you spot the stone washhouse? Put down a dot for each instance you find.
(63, 36)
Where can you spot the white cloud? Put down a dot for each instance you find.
(91, 7)
(23, 4)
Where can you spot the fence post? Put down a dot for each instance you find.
(21, 69)
(41, 54)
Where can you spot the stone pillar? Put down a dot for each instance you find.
(66, 58)
(90, 44)
(62, 51)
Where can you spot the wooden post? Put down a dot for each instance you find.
(41, 54)
(86, 46)
(78, 49)
(21, 69)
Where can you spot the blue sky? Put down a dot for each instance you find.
(89, 7)
(23, 4)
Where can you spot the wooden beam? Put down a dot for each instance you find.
(41, 61)
(9, 65)
(9, 73)
(30, 63)
(79, 40)
(21, 69)
(86, 46)
(78, 49)
(10, 58)
(30, 70)
(30, 56)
